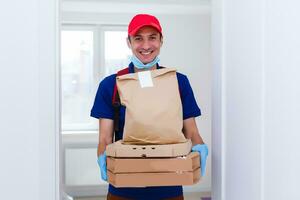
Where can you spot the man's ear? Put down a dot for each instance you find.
(128, 43)
(161, 41)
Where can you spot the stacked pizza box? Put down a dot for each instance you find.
(152, 165)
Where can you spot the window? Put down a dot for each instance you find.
(117, 53)
(88, 54)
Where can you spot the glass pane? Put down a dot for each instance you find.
(77, 80)
(117, 54)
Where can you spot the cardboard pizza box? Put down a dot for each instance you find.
(119, 150)
(143, 172)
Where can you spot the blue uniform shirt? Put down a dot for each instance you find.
(103, 108)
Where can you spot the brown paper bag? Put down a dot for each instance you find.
(153, 107)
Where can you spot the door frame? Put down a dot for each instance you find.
(49, 98)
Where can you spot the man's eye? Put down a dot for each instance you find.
(153, 38)
(137, 39)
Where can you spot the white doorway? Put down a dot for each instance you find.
(190, 20)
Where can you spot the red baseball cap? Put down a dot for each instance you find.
(141, 20)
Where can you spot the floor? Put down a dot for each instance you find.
(187, 196)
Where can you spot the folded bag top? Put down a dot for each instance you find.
(153, 107)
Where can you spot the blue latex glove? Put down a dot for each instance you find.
(203, 151)
(102, 164)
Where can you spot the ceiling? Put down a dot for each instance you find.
(131, 6)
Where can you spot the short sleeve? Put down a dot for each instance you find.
(102, 107)
(189, 104)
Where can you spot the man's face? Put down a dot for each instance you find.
(145, 44)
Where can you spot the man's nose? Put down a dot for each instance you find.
(146, 44)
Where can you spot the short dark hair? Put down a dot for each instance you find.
(128, 37)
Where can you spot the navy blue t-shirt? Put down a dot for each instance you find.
(103, 108)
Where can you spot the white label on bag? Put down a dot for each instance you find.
(145, 79)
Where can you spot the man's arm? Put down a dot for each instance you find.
(190, 131)
(106, 128)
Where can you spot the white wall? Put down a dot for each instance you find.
(50, 179)
(27, 161)
(282, 97)
(19, 97)
(256, 47)
(243, 106)
(19, 85)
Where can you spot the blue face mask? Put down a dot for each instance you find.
(138, 64)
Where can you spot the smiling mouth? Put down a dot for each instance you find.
(146, 53)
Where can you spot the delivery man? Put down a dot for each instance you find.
(145, 39)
